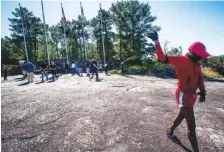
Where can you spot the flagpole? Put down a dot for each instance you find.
(84, 43)
(24, 37)
(83, 32)
(66, 48)
(45, 32)
(104, 54)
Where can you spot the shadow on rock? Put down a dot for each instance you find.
(128, 76)
(51, 81)
(184, 147)
(19, 79)
(214, 80)
(40, 82)
(26, 83)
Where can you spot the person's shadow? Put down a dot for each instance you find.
(184, 147)
(181, 145)
(26, 83)
(19, 79)
(40, 82)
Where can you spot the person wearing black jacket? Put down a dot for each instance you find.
(94, 70)
(53, 69)
(44, 69)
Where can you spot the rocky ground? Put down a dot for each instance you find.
(118, 114)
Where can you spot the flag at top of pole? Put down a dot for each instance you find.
(63, 14)
(82, 14)
(63, 22)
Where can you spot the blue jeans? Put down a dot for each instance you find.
(73, 71)
(44, 73)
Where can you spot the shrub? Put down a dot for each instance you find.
(208, 73)
(115, 71)
(136, 69)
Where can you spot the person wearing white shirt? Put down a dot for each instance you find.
(73, 68)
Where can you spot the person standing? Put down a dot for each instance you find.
(188, 69)
(80, 67)
(87, 68)
(53, 68)
(106, 68)
(122, 68)
(29, 70)
(94, 69)
(67, 68)
(73, 68)
(44, 68)
(77, 67)
(5, 71)
(23, 69)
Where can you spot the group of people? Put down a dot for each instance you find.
(91, 68)
(76, 67)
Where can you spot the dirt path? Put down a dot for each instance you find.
(118, 114)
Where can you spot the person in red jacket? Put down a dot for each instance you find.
(188, 70)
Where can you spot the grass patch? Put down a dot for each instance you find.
(208, 73)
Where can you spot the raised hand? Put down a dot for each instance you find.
(153, 35)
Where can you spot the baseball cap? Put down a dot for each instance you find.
(199, 48)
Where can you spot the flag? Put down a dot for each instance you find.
(63, 14)
(82, 14)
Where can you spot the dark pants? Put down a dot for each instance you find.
(94, 71)
(122, 71)
(54, 74)
(73, 71)
(44, 73)
(67, 70)
(106, 70)
(5, 74)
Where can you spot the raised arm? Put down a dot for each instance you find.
(174, 60)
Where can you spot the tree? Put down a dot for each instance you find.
(11, 50)
(56, 36)
(33, 29)
(133, 20)
(106, 31)
(175, 51)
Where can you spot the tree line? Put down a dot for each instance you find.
(124, 27)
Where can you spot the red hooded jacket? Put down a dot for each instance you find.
(189, 77)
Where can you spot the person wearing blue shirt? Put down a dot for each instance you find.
(77, 67)
(29, 69)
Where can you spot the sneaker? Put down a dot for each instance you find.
(172, 136)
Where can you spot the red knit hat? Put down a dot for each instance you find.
(199, 49)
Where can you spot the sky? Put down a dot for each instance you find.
(182, 23)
